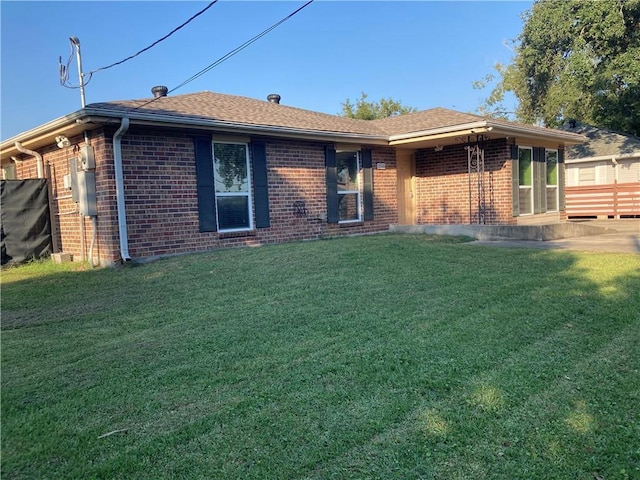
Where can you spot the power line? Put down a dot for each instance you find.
(157, 41)
(239, 48)
(231, 53)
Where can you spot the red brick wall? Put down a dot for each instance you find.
(162, 204)
(443, 192)
(73, 232)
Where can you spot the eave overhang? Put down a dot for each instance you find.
(464, 133)
(91, 118)
(601, 158)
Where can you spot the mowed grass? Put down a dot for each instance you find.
(377, 357)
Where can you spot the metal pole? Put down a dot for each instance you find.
(76, 43)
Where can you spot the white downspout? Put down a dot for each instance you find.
(615, 179)
(39, 160)
(117, 164)
(615, 168)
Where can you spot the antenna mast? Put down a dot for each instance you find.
(76, 44)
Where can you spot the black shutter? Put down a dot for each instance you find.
(260, 183)
(205, 186)
(561, 180)
(515, 152)
(332, 184)
(368, 183)
(515, 181)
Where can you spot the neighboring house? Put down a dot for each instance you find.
(602, 175)
(194, 172)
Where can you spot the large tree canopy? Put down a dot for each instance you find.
(575, 59)
(365, 110)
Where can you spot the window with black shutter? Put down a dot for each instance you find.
(226, 191)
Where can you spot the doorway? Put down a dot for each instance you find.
(406, 171)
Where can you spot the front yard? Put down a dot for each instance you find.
(388, 356)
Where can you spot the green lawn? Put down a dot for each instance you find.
(388, 356)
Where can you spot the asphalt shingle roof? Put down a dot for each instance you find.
(602, 142)
(237, 109)
(249, 111)
(425, 120)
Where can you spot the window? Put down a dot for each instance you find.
(9, 172)
(232, 186)
(348, 172)
(551, 159)
(349, 177)
(525, 180)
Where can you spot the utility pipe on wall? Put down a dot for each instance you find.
(40, 162)
(117, 164)
(94, 234)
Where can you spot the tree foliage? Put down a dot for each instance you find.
(575, 59)
(365, 110)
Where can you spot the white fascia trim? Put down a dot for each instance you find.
(624, 156)
(43, 130)
(523, 130)
(96, 115)
(245, 128)
(453, 129)
(487, 126)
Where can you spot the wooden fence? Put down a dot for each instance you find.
(600, 200)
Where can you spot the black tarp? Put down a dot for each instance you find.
(26, 225)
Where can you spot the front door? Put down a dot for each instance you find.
(406, 168)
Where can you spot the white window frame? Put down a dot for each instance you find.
(557, 185)
(358, 192)
(234, 194)
(532, 186)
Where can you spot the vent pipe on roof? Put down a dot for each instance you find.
(159, 91)
(274, 98)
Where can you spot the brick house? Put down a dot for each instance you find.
(187, 173)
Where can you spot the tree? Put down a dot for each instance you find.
(364, 110)
(574, 59)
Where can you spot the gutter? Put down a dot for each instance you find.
(117, 164)
(460, 129)
(98, 116)
(437, 136)
(614, 158)
(80, 118)
(517, 129)
(59, 126)
(484, 126)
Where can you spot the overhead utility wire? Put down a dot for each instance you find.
(157, 41)
(241, 47)
(230, 54)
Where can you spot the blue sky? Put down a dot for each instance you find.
(424, 54)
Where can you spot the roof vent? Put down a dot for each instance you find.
(273, 98)
(159, 91)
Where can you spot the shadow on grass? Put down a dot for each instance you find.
(387, 356)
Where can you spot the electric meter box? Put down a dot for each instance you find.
(87, 202)
(87, 158)
(73, 179)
